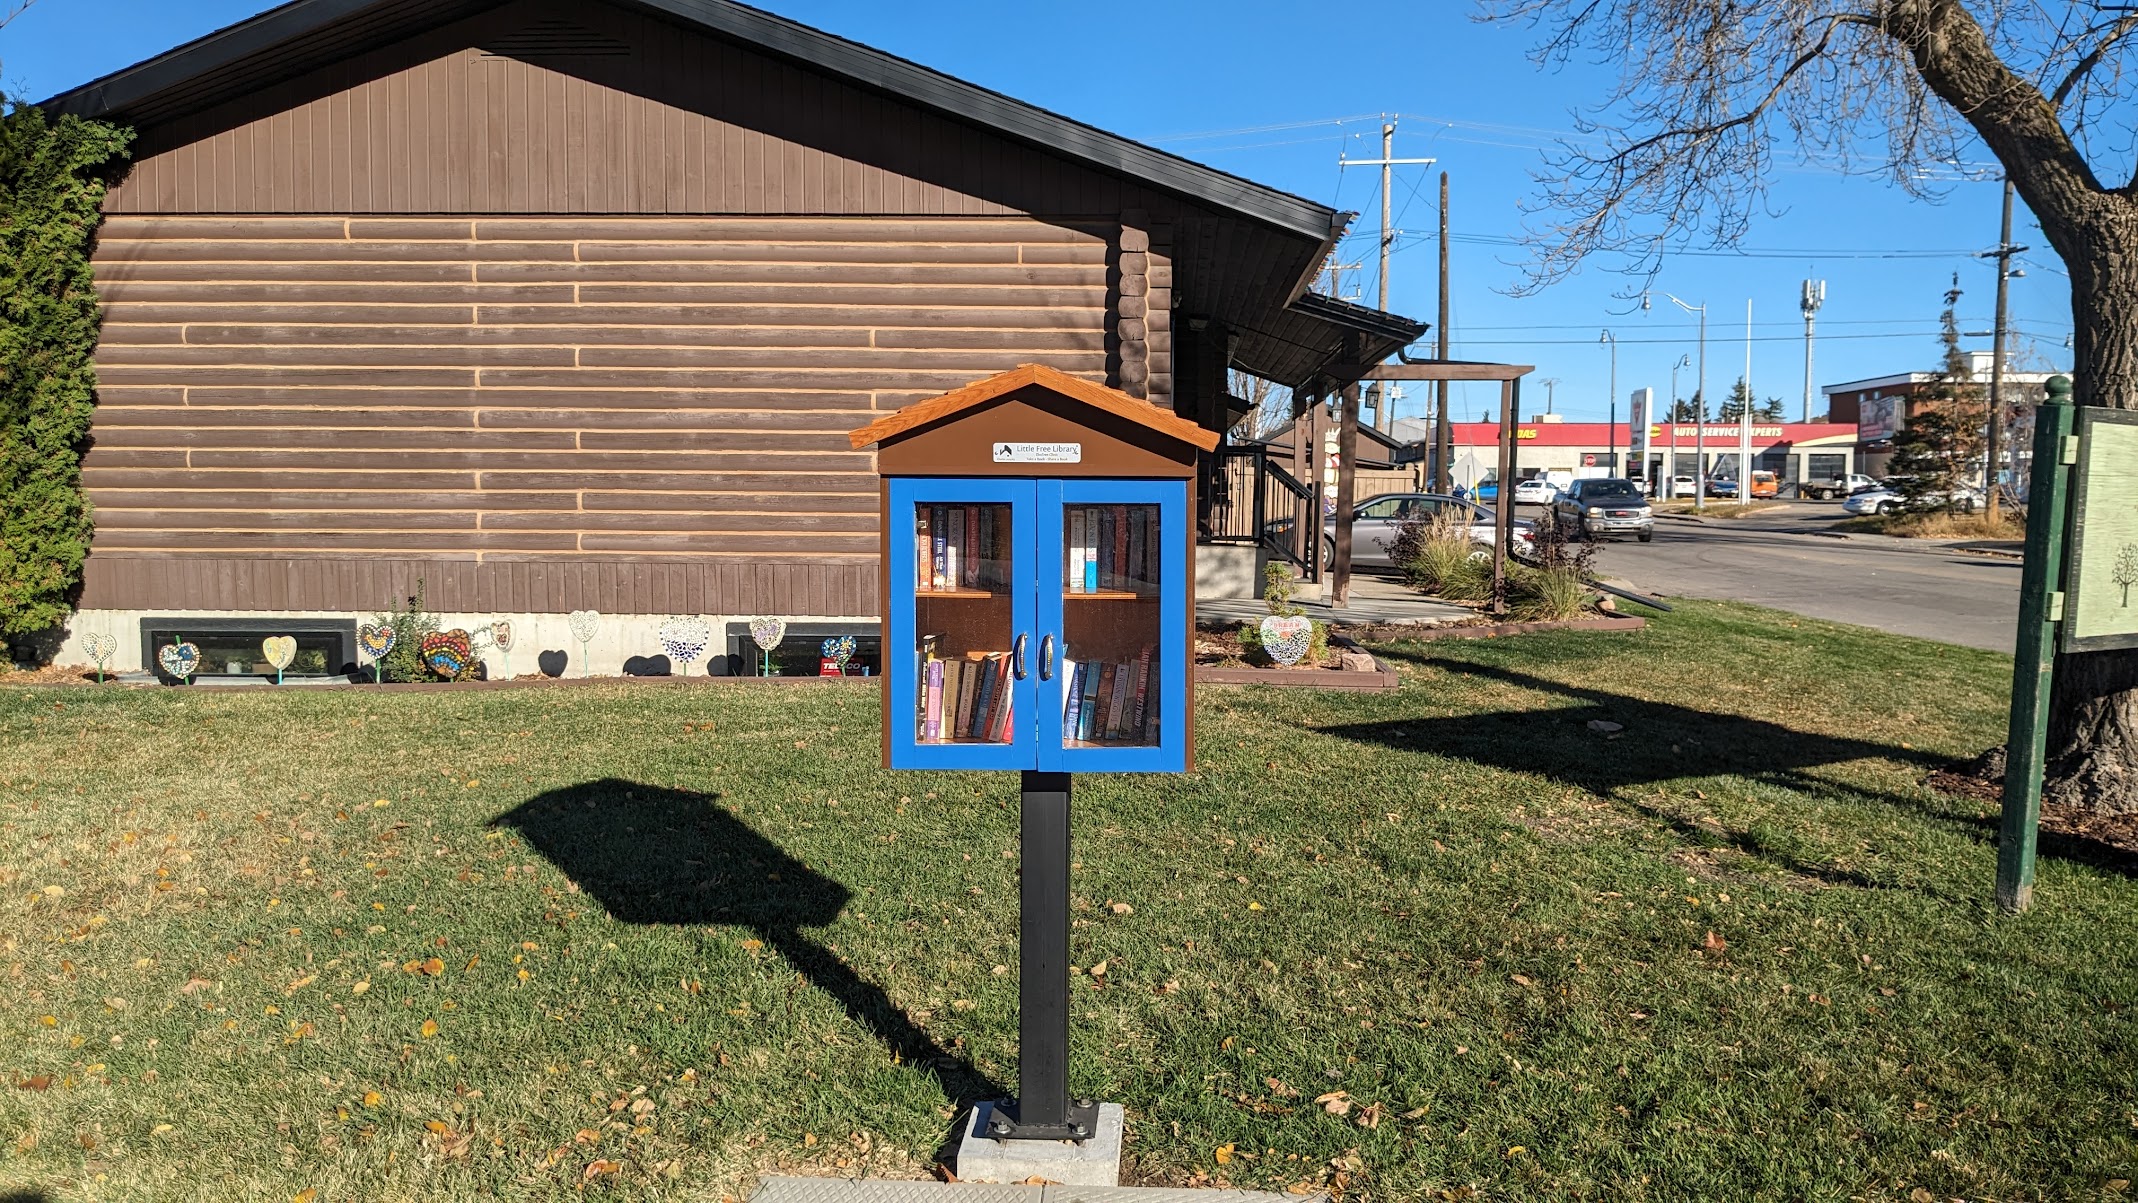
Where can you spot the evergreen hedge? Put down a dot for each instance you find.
(52, 180)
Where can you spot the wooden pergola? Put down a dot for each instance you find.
(1509, 376)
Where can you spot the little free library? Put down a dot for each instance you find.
(562, 307)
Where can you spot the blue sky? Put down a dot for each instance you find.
(1277, 92)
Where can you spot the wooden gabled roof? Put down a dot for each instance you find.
(980, 392)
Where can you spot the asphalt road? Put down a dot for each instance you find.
(1774, 559)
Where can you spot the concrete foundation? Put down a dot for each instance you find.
(882, 1190)
(619, 637)
(1229, 570)
(1094, 1162)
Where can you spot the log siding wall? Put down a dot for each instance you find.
(632, 414)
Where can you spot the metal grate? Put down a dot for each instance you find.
(555, 38)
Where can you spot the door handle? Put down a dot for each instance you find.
(1017, 656)
(1046, 657)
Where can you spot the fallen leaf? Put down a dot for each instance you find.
(433, 967)
(1254, 906)
(1336, 1102)
(304, 1196)
(437, 1126)
(372, 1098)
(430, 1028)
(752, 945)
(1714, 943)
(1519, 980)
(595, 1169)
(360, 987)
(809, 1140)
(1223, 1154)
(302, 982)
(195, 985)
(1369, 1116)
(1099, 970)
(1122, 908)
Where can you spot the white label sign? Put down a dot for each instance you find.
(1039, 453)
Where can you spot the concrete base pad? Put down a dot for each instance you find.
(843, 1190)
(1094, 1162)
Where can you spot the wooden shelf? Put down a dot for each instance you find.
(963, 740)
(955, 593)
(1115, 743)
(1110, 595)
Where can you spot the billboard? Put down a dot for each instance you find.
(1880, 418)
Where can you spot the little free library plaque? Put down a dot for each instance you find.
(2101, 585)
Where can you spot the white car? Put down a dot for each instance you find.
(1535, 491)
(1376, 520)
(1684, 486)
(1888, 500)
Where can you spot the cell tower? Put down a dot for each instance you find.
(1814, 296)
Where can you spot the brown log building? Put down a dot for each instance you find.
(567, 306)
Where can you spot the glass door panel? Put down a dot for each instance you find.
(1113, 600)
(962, 610)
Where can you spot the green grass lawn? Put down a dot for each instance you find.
(649, 942)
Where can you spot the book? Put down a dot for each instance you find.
(1108, 675)
(1117, 706)
(1072, 696)
(932, 728)
(939, 551)
(983, 699)
(1104, 546)
(1121, 545)
(969, 561)
(1091, 560)
(1073, 564)
(1005, 700)
(1136, 729)
(953, 547)
(1138, 575)
(990, 703)
(1092, 675)
(985, 564)
(958, 687)
(923, 548)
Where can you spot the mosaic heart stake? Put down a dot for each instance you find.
(279, 650)
(100, 648)
(583, 624)
(1287, 637)
(685, 639)
(501, 635)
(447, 653)
(839, 649)
(766, 633)
(375, 640)
(179, 660)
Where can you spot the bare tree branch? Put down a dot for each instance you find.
(2092, 59)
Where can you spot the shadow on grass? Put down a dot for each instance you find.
(25, 1196)
(653, 855)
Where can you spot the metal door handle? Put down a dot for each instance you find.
(1017, 656)
(1046, 657)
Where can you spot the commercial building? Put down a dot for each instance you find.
(1793, 451)
(1881, 406)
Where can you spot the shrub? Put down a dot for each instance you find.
(1437, 553)
(1550, 595)
(1277, 590)
(52, 179)
(410, 624)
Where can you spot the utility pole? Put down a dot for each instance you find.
(1550, 383)
(1814, 296)
(1444, 439)
(1991, 477)
(1386, 163)
(1700, 419)
(1744, 419)
(1610, 340)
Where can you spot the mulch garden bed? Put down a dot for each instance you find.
(2114, 832)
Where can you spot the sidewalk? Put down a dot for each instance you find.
(1375, 601)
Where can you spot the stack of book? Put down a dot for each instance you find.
(952, 546)
(1111, 703)
(1112, 547)
(966, 699)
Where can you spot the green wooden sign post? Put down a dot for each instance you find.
(2040, 609)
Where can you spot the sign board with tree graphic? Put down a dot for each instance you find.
(2100, 603)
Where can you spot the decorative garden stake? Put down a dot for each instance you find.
(501, 635)
(1286, 637)
(583, 623)
(448, 653)
(839, 649)
(179, 659)
(100, 648)
(376, 641)
(766, 633)
(279, 650)
(685, 639)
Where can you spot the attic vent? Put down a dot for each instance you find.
(554, 38)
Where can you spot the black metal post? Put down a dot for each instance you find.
(1043, 1110)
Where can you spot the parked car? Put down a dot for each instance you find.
(1684, 486)
(1721, 486)
(1486, 490)
(1604, 505)
(1764, 484)
(1374, 522)
(1889, 499)
(1837, 486)
(1535, 491)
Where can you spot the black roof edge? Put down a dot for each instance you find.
(1365, 319)
(813, 48)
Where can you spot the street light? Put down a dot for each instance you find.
(1610, 340)
(1700, 422)
(1684, 361)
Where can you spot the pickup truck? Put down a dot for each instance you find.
(1838, 486)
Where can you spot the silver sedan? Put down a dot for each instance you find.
(1375, 521)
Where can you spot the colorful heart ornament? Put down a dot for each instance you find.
(766, 633)
(377, 639)
(99, 646)
(839, 649)
(1287, 637)
(178, 659)
(501, 635)
(685, 639)
(583, 624)
(447, 652)
(279, 650)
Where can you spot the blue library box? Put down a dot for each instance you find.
(1038, 578)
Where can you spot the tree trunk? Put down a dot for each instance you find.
(2093, 713)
